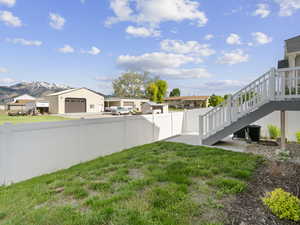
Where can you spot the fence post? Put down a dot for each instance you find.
(153, 127)
(172, 126)
(5, 140)
(125, 132)
(201, 129)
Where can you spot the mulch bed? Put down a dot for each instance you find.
(268, 150)
(248, 209)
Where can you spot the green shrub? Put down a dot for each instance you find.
(283, 204)
(274, 132)
(298, 137)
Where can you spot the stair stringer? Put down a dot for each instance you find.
(251, 117)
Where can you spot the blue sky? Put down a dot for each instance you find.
(200, 46)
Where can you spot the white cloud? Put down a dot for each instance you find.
(56, 21)
(162, 64)
(3, 70)
(6, 80)
(233, 39)
(261, 38)
(8, 3)
(189, 47)
(151, 61)
(93, 51)
(183, 73)
(154, 12)
(9, 19)
(142, 32)
(263, 10)
(233, 57)
(22, 41)
(288, 7)
(225, 84)
(209, 37)
(219, 86)
(67, 49)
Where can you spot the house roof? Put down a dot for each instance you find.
(16, 104)
(187, 98)
(24, 97)
(293, 44)
(128, 99)
(74, 89)
(154, 104)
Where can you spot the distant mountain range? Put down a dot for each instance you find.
(35, 89)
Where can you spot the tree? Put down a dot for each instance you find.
(131, 85)
(215, 100)
(175, 92)
(162, 87)
(156, 91)
(152, 91)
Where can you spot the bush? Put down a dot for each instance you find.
(274, 132)
(298, 137)
(283, 204)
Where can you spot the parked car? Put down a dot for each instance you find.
(121, 111)
(17, 113)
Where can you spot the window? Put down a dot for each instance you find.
(92, 106)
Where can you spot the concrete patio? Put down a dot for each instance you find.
(227, 143)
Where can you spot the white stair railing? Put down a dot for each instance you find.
(273, 85)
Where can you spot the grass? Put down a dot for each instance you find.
(157, 184)
(4, 118)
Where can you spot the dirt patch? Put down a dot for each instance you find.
(270, 151)
(248, 209)
(136, 174)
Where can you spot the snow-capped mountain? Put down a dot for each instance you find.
(35, 89)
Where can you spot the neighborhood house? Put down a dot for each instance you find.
(291, 53)
(125, 102)
(154, 108)
(187, 102)
(19, 103)
(79, 100)
(39, 105)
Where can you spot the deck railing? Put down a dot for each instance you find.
(273, 85)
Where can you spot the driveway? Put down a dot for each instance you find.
(86, 115)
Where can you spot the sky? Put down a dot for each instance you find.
(199, 46)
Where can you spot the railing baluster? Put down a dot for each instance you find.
(275, 84)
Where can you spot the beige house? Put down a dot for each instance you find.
(187, 102)
(291, 53)
(19, 103)
(154, 108)
(125, 102)
(79, 100)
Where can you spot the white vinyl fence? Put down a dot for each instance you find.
(292, 123)
(29, 150)
(191, 122)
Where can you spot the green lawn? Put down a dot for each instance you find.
(157, 184)
(4, 118)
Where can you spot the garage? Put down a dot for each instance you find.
(75, 105)
(78, 100)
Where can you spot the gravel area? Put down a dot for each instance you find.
(271, 152)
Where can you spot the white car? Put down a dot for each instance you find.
(121, 111)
